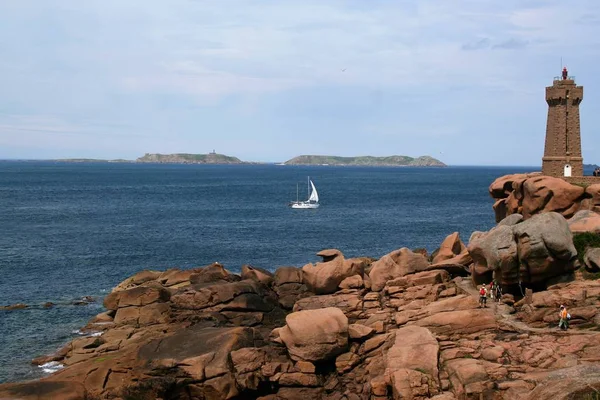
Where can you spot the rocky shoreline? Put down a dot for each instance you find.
(405, 326)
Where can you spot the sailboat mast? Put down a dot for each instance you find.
(308, 187)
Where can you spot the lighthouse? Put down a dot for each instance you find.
(562, 150)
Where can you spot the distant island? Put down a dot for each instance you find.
(390, 161)
(216, 159)
(185, 158)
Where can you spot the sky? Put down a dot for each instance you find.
(461, 80)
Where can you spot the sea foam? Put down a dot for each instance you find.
(51, 367)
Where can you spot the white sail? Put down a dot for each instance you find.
(313, 199)
(314, 196)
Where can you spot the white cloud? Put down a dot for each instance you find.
(169, 69)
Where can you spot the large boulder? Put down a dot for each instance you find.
(531, 251)
(459, 322)
(257, 274)
(430, 277)
(592, 201)
(585, 221)
(503, 186)
(415, 350)
(136, 296)
(591, 259)
(329, 254)
(454, 303)
(314, 335)
(530, 194)
(285, 275)
(325, 277)
(394, 265)
(205, 354)
(457, 265)
(138, 279)
(349, 301)
(511, 220)
(545, 246)
(242, 296)
(289, 286)
(469, 377)
(175, 278)
(451, 247)
(211, 274)
(493, 251)
(503, 191)
(156, 313)
(546, 194)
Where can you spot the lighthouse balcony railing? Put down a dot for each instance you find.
(560, 78)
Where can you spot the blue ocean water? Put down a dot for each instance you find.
(71, 230)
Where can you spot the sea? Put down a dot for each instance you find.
(69, 230)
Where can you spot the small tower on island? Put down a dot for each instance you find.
(562, 150)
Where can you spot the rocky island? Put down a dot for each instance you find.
(186, 158)
(390, 161)
(405, 326)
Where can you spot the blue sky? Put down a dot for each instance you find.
(460, 80)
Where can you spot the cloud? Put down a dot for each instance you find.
(188, 74)
(191, 78)
(477, 45)
(511, 44)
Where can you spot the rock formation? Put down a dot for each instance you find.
(530, 194)
(401, 328)
(395, 264)
(531, 251)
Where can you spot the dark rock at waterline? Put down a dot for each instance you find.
(17, 306)
(58, 356)
(84, 301)
(49, 304)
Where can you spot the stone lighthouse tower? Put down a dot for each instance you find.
(562, 151)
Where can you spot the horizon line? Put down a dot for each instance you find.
(126, 161)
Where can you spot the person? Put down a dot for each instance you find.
(565, 74)
(564, 318)
(482, 296)
(498, 292)
(492, 289)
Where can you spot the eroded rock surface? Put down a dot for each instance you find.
(314, 335)
(530, 194)
(531, 251)
(405, 328)
(396, 264)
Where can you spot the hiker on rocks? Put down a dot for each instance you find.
(498, 291)
(564, 318)
(482, 296)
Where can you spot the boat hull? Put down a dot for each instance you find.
(302, 205)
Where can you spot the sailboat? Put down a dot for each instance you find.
(313, 199)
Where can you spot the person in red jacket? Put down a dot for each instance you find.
(565, 73)
(483, 296)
